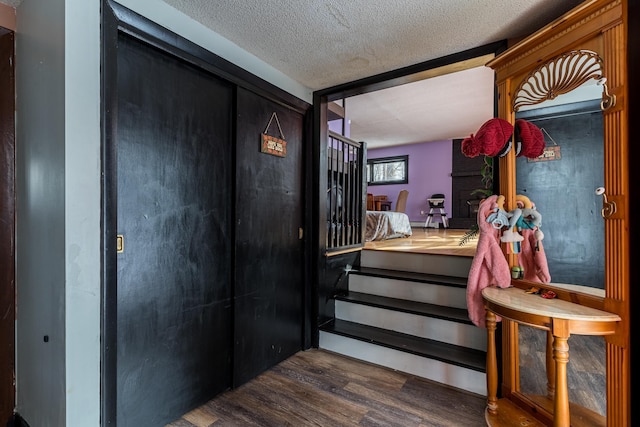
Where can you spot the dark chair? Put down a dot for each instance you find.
(436, 201)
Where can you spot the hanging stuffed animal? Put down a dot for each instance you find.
(530, 218)
(498, 218)
(532, 258)
(511, 235)
(523, 217)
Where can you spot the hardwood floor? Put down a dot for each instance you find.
(443, 241)
(323, 389)
(319, 388)
(586, 370)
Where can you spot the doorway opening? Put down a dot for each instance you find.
(379, 110)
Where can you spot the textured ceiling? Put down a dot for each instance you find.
(325, 43)
(12, 3)
(322, 43)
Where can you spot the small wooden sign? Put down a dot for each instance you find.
(549, 154)
(271, 144)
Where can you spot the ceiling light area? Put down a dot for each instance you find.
(448, 106)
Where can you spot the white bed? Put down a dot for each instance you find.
(382, 225)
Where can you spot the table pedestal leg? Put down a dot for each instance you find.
(492, 364)
(551, 368)
(561, 417)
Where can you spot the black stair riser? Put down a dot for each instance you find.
(423, 347)
(432, 279)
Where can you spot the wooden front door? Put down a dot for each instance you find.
(174, 207)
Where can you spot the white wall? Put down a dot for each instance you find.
(82, 211)
(58, 276)
(40, 223)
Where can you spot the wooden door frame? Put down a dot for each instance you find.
(7, 228)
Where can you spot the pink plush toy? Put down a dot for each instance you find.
(489, 266)
(531, 256)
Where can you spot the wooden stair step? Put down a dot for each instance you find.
(424, 347)
(420, 308)
(459, 282)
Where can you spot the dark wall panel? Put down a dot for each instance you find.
(7, 226)
(269, 285)
(174, 172)
(334, 280)
(564, 193)
(466, 177)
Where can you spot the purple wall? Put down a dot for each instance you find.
(336, 126)
(429, 173)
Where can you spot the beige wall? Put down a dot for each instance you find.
(7, 17)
